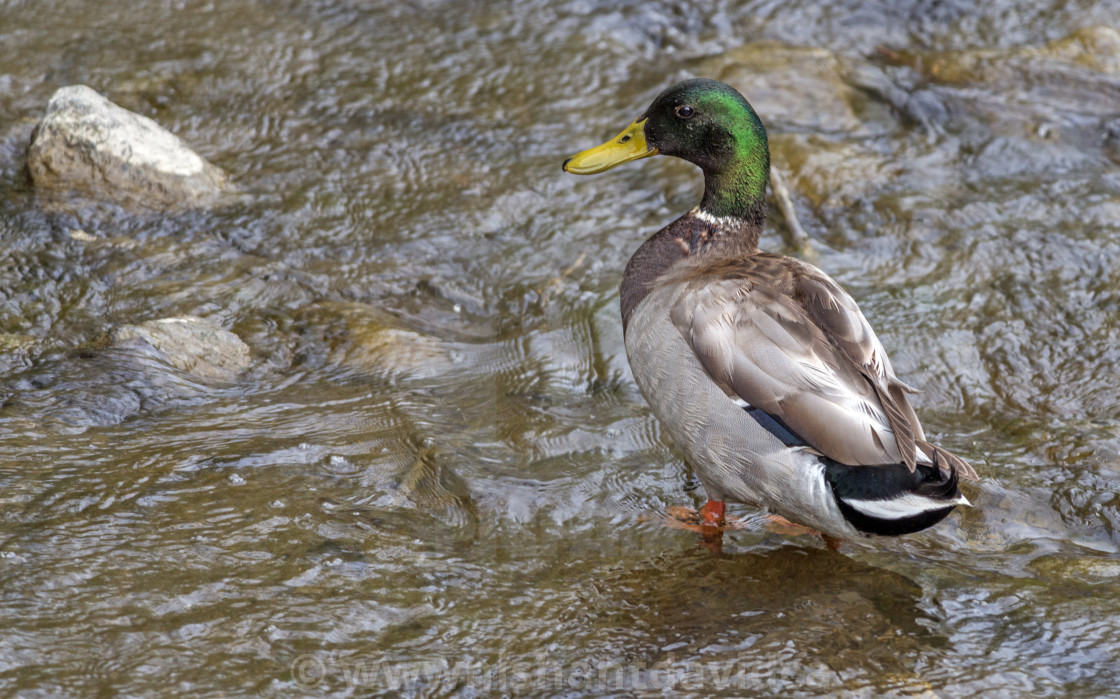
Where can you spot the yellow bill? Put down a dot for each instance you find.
(628, 145)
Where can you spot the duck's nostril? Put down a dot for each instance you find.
(625, 138)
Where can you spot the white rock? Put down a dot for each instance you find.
(85, 143)
(190, 344)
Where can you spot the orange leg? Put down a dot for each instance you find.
(709, 522)
(711, 525)
(711, 515)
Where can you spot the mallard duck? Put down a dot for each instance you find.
(760, 367)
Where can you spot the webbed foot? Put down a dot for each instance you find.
(709, 522)
(781, 525)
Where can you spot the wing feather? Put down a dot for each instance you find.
(787, 339)
(835, 312)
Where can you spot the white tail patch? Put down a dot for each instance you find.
(904, 506)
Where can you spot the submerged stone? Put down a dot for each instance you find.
(796, 88)
(131, 369)
(16, 351)
(87, 144)
(192, 345)
(831, 173)
(1096, 49)
(363, 339)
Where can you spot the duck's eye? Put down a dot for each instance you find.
(684, 111)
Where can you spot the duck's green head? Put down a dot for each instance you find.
(705, 122)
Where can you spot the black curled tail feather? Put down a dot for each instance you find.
(936, 485)
(890, 500)
(948, 461)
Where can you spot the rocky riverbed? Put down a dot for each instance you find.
(358, 418)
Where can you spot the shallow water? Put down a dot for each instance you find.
(436, 477)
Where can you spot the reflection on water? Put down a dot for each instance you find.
(435, 475)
